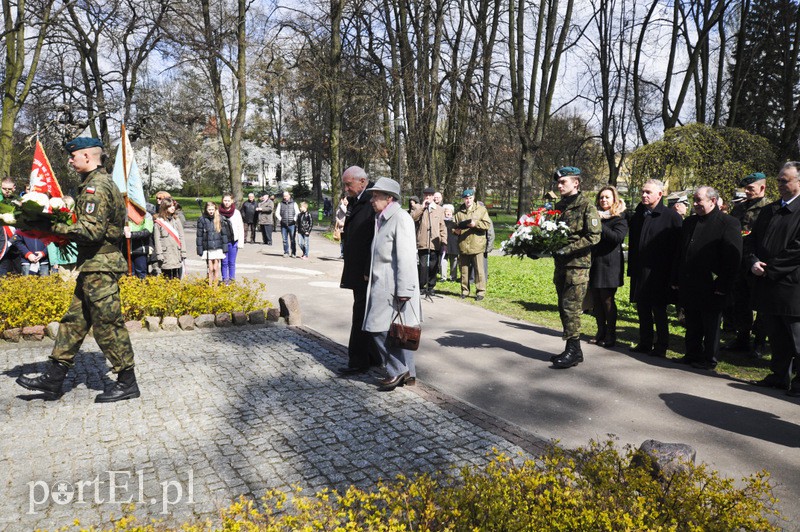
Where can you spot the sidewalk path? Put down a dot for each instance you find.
(500, 365)
(223, 413)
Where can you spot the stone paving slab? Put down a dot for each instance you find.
(222, 414)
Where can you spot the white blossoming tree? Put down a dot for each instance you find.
(165, 175)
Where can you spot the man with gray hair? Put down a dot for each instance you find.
(652, 243)
(359, 229)
(704, 273)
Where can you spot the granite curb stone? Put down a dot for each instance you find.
(33, 333)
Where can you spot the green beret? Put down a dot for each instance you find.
(752, 178)
(468, 192)
(566, 171)
(81, 143)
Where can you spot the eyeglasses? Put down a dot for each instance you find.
(783, 181)
(11, 189)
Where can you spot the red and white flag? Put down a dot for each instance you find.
(42, 177)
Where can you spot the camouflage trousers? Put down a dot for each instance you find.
(571, 285)
(96, 304)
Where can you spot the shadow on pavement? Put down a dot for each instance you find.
(90, 369)
(531, 327)
(471, 340)
(734, 418)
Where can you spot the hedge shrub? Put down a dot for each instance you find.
(30, 300)
(593, 488)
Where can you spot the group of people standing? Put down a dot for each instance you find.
(709, 264)
(293, 219)
(392, 258)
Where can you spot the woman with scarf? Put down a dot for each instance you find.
(607, 271)
(170, 245)
(212, 239)
(229, 212)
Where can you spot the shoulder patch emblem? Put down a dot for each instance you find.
(90, 208)
(90, 190)
(594, 222)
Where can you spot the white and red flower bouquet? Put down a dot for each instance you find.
(537, 234)
(34, 214)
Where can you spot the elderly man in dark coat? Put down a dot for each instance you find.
(773, 250)
(704, 273)
(654, 233)
(359, 229)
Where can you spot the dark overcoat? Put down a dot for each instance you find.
(707, 261)
(775, 240)
(608, 263)
(359, 228)
(652, 245)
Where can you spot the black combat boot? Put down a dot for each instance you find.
(124, 388)
(572, 356)
(561, 354)
(48, 382)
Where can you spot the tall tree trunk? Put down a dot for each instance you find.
(335, 90)
(15, 90)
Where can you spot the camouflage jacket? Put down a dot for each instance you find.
(580, 215)
(101, 216)
(747, 212)
(472, 241)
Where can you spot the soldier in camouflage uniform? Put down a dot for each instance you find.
(101, 216)
(741, 314)
(573, 261)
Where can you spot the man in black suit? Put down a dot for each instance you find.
(359, 228)
(704, 273)
(653, 240)
(773, 249)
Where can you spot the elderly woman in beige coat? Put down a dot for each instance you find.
(168, 239)
(393, 282)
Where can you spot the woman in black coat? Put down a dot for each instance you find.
(606, 273)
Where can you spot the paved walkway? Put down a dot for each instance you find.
(500, 365)
(223, 413)
(237, 411)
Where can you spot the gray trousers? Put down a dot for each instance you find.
(395, 359)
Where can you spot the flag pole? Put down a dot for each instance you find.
(123, 138)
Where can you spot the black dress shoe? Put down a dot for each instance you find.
(793, 392)
(773, 381)
(640, 348)
(390, 383)
(659, 352)
(347, 370)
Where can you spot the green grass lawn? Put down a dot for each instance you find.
(523, 289)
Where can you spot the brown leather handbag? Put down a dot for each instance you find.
(402, 335)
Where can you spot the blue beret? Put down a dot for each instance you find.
(752, 178)
(468, 192)
(81, 143)
(566, 171)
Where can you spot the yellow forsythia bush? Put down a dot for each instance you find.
(31, 300)
(593, 488)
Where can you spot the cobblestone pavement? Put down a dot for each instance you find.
(223, 413)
